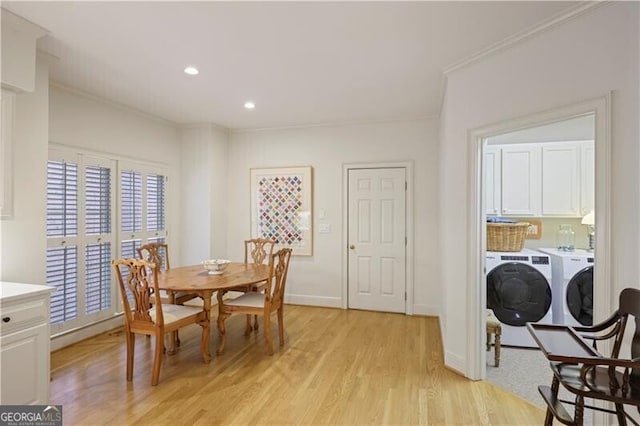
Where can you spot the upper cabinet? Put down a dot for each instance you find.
(539, 179)
(561, 179)
(521, 180)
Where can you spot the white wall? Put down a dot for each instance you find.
(582, 59)
(203, 232)
(23, 236)
(88, 123)
(318, 279)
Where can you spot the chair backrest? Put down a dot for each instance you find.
(140, 278)
(278, 269)
(257, 250)
(630, 307)
(156, 253)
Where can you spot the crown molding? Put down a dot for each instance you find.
(111, 103)
(214, 126)
(18, 23)
(338, 124)
(545, 25)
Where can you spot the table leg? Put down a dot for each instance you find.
(206, 303)
(173, 336)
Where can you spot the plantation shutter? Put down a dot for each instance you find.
(98, 252)
(62, 231)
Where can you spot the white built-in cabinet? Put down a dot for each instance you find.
(554, 179)
(24, 344)
(493, 190)
(521, 180)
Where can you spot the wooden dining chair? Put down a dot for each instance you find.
(613, 379)
(264, 304)
(148, 315)
(257, 251)
(158, 254)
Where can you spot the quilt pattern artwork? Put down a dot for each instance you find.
(281, 207)
(279, 201)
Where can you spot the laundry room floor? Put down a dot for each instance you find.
(521, 371)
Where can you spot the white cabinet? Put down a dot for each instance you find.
(521, 180)
(587, 163)
(492, 180)
(560, 179)
(24, 343)
(547, 179)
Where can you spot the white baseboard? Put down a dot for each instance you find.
(327, 302)
(428, 310)
(454, 362)
(76, 336)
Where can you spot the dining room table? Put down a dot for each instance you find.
(197, 280)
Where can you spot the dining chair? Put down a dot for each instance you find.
(258, 303)
(257, 251)
(148, 315)
(158, 254)
(612, 379)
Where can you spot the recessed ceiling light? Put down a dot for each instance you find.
(249, 105)
(191, 70)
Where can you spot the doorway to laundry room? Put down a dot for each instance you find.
(538, 191)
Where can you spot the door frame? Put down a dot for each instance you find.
(476, 298)
(408, 166)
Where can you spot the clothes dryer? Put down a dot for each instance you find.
(572, 286)
(519, 291)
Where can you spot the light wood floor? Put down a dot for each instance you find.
(337, 367)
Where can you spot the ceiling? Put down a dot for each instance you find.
(302, 63)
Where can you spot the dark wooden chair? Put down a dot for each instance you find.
(613, 379)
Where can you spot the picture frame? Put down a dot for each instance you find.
(282, 207)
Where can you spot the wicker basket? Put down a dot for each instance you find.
(506, 236)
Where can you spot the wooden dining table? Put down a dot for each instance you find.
(195, 279)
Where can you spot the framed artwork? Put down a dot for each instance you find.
(281, 207)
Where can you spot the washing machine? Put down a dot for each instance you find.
(518, 292)
(572, 286)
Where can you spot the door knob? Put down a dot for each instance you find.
(352, 247)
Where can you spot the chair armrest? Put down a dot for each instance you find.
(600, 326)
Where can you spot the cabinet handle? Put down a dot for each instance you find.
(6, 319)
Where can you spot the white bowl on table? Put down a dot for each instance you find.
(216, 266)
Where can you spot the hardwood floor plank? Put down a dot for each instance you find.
(336, 367)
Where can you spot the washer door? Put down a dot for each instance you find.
(518, 293)
(580, 296)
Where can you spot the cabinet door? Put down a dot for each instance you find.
(521, 180)
(492, 180)
(24, 362)
(560, 179)
(588, 161)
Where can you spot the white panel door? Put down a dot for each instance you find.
(377, 239)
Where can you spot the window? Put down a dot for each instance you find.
(89, 223)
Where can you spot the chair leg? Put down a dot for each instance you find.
(622, 419)
(280, 328)
(255, 323)
(267, 333)
(497, 347)
(157, 360)
(579, 416)
(488, 342)
(248, 327)
(555, 385)
(223, 333)
(131, 345)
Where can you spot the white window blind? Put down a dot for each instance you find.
(80, 244)
(62, 226)
(98, 254)
(155, 203)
